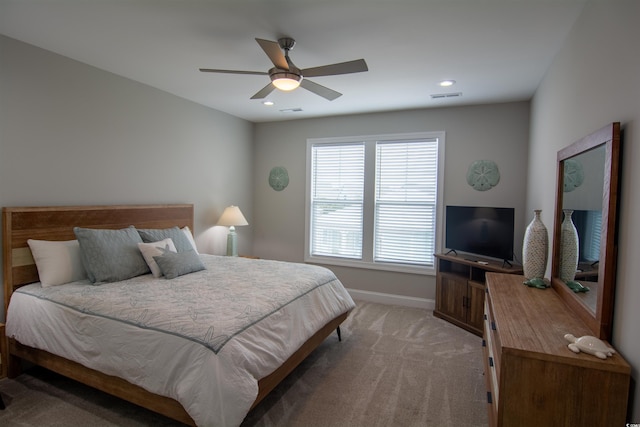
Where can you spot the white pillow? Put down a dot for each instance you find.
(58, 262)
(189, 235)
(149, 250)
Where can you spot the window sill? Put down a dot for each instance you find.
(398, 268)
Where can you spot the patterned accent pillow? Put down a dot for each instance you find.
(149, 250)
(173, 265)
(111, 255)
(178, 237)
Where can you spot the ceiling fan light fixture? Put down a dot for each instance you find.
(285, 76)
(286, 81)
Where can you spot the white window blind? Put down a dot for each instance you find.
(592, 233)
(337, 197)
(405, 202)
(373, 201)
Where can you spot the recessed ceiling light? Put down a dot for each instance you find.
(447, 83)
(267, 102)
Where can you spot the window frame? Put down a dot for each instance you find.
(367, 261)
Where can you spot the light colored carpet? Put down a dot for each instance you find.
(395, 366)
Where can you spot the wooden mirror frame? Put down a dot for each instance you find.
(599, 322)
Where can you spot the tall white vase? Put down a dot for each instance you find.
(535, 248)
(568, 248)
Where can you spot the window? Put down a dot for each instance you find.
(372, 201)
(337, 200)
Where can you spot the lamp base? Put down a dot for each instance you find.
(232, 242)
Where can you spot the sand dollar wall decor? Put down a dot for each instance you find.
(278, 178)
(573, 175)
(483, 175)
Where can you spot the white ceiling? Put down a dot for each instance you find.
(496, 50)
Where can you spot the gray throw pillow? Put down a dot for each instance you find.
(174, 264)
(111, 255)
(180, 240)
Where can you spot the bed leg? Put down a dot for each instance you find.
(339, 333)
(14, 366)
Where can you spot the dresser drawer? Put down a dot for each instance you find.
(492, 335)
(491, 365)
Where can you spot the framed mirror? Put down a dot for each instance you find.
(583, 264)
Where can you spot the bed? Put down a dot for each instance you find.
(195, 367)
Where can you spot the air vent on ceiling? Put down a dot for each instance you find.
(446, 95)
(291, 110)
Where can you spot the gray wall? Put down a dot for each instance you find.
(595, 80)
(498, 132)
(71, 134)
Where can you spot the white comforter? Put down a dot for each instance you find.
(204, 339)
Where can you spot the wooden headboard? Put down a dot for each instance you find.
(57, 222)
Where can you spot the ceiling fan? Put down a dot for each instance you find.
(286, 76)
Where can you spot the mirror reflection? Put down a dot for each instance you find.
(587, 191)
(583, 184)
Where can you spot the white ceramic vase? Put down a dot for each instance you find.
(568, 248)
(535, 248)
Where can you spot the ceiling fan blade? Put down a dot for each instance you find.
(262, 93)
(213, 70)
(357, 66)
(273, 51)
(324, 92)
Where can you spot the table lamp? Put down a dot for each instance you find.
(232, 217)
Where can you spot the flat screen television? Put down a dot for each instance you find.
(480, 230)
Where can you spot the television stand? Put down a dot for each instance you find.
(460, 288)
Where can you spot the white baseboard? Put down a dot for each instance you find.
(392, 299)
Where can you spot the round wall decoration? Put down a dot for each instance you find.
(483, 175)
(278, 178)
(573, 175)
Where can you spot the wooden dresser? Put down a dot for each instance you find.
(533, 379)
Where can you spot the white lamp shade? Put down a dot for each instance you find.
(232, 217)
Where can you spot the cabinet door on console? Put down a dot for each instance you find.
(475, 303)
(452, 296)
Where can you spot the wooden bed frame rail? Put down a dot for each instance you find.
(141, 397)
(56, 223)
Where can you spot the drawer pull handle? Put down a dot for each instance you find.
(484, 343)
(493, 325)
(489, 399)
(491, 361)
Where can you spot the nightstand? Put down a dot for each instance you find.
(4, 348)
